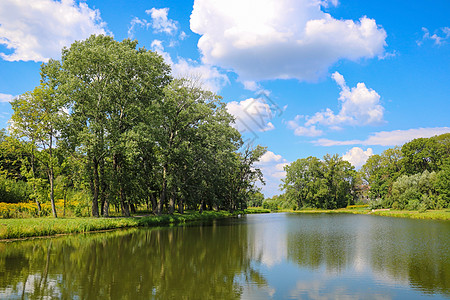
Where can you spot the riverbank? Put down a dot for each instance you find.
(37, 227)
(443, 214)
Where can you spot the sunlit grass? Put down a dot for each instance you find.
(32, 227)
(430, 214)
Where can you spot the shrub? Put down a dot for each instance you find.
(413, 205)
(12, 191)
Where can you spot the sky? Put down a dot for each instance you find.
(302, 77)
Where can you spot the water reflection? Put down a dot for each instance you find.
(276, 256)
(391, 252)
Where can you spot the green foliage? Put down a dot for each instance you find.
(109, 127)
(415, 176)
(256, 199)
(425, 154)
(277, 202)
(380, 171)
(314, 183)
(13, 191)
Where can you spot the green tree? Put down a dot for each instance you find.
(37, 118)
(111, 87)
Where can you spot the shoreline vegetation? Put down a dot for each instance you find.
(442, 214)
(12, 229)
(18, 229)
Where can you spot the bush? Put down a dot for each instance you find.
(12, 191)
(375, 204)
(413, 205)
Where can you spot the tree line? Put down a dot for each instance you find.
(415, 176)
(109, 120)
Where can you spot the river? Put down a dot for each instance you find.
(267, 256)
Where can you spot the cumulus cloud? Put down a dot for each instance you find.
(357, 156)
(252, 115)
(359, 106)
(280, 39)
(269, 156)
(272, 166)
(161, 22)
(6, 97)
(37, 30)
(388, 138)
(302, 130)
(439, 37)
(210, 77)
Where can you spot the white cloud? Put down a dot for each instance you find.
(37, 30)
(251, 85)
(359, 106)
(302, 130)
(357, 156)
(160, 21)
(272, 166)
(210, 77)
(6, 97)
(251, 115)
(183, 35)
(388, 138)
(136, 22)
(269, 156)
(280, 39)
(439, 37)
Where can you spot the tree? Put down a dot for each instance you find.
(380, 172)
(330, 183)
(425, 154)
(37, 117)
(111, 87)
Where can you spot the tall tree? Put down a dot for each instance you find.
(111, 86)
(37, 118)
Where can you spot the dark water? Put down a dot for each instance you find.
(272, 256)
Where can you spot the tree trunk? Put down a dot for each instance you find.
(52, 194)
(154, 203)
(65, 198)
(172, 201)
(162, 198)
(133, 208)
(34, 184)
(123, 203)
(104, 202)
(201, 207)
(180, 206)
(95, 187)
(50, 177)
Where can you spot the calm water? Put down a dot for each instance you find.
(272, 256)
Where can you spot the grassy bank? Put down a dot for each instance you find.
(33, 227)
(429, 214)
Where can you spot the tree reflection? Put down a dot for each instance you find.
(399, 250)
(172, 263)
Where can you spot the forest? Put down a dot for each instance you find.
(415, 176)
(110, 129)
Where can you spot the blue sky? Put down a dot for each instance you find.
(302, 77)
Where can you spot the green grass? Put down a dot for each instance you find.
(256, 210)
(24, 228)
(430, 214)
